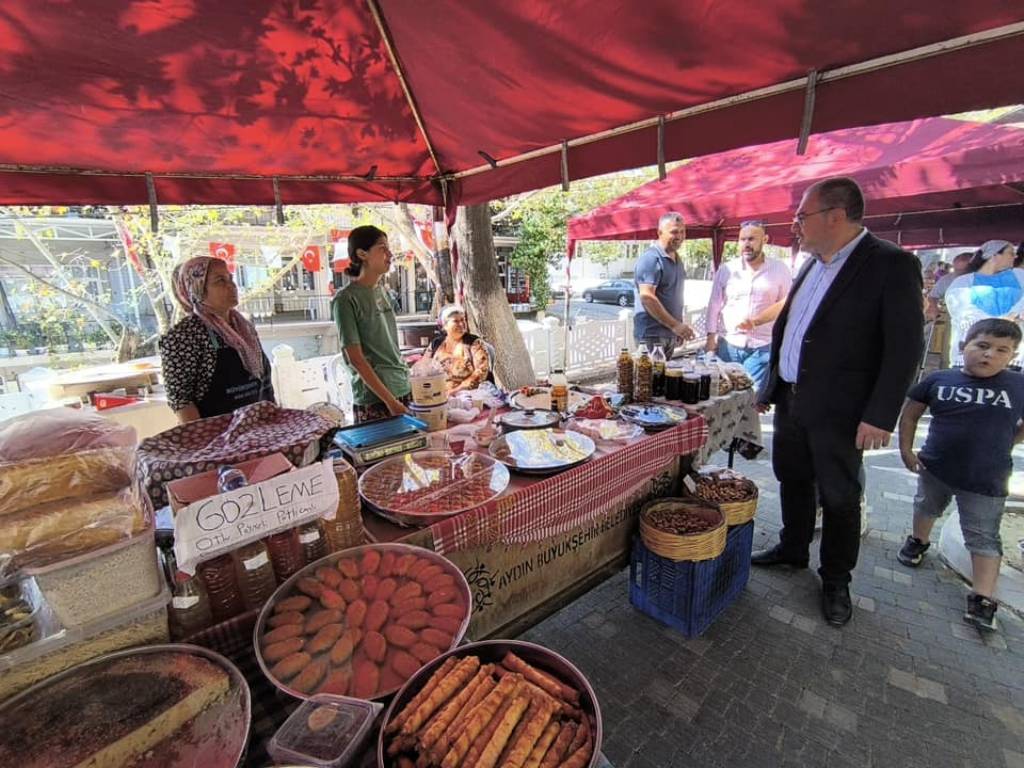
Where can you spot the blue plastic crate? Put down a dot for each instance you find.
(689, 596)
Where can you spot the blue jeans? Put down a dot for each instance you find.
(754, 360)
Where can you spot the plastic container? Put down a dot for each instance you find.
(428, 390)
(285, 553)
(313, 543)
(346, 529)
(189, 611)
(689, 596)
(141, 624)
(325, 731)
(255, 574)
(559, 391)
(435, 416)
(17, 598)
(88, 587)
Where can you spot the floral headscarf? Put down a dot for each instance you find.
(237, 332)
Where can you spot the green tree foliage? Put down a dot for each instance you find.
(540, 220)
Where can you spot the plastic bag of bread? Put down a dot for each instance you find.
(29, 484)
(58, 530)
(58, 432)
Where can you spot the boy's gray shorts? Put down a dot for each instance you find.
(979, 515)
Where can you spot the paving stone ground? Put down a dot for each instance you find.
(905, 684)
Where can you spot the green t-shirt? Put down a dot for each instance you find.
(364, 316)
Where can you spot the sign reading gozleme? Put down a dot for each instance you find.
(221, 523)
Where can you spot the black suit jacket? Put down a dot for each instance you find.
(863, 347)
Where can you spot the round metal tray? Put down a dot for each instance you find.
(536, 402)
(532, 452)
(435, 485)
(492, 652)
(287, 589)
(654, 416)
(216, 738)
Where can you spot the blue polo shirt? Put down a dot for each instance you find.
(657, 268)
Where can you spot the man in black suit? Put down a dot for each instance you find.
(845, 349)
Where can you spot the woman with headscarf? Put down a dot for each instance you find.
(213, 362)
(991, 287)
(462, 355)
(368, 330)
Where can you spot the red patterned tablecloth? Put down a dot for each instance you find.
(556, 504)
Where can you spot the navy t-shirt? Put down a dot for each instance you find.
(667, 275)
(973, 424)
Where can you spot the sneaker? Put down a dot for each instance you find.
(912, 552)
(981, 612)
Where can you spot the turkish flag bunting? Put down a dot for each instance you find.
(225, 252)
(340, 265)
(337, 235)
(311, 258)
(426, 232)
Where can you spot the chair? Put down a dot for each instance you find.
(339, 385)
(491, 352)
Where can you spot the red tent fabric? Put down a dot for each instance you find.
(929, 182)
(360, 100)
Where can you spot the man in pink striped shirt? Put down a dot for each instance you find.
(741, 291)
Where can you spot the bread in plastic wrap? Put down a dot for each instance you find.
(59, 530)
(26, 485)
(58, 432)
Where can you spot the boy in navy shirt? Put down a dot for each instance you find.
(976, 420)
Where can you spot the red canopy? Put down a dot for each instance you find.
(345, 100)
(928, 182)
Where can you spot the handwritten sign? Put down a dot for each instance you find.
(222, 523)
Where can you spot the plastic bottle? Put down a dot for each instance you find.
(313, 542)
(624, 374)
(346, 529)
(218, 577)
(559, 391)
(255, 574)
(230, 478)
(644, 375)
(658, 361)
(189, 611)
(285, 553)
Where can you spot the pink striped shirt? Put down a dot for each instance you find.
(739, 293)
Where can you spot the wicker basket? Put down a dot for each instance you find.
(738, 512)
(690, 547)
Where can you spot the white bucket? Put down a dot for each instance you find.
(429, 390)
(435, 416)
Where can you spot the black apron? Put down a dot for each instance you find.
(232, 386)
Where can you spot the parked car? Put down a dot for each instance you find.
(611, 291)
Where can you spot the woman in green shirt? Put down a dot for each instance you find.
(369, 334)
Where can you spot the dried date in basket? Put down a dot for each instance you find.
(679, 521)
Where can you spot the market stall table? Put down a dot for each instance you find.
(545, 540)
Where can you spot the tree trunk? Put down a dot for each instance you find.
(8, 322)
(490, 316)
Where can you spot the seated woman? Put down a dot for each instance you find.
(213, 362)
(462, 355)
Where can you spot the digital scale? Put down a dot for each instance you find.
(365, 444)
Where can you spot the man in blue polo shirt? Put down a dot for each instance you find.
(659, 289)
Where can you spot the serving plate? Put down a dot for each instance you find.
(425, 487)
(542, 451)
(654, 416)
(539, 399)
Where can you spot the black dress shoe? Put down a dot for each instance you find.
(836, 604)
(775, 556)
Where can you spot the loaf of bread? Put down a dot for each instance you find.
(29, 484)
(63, 529)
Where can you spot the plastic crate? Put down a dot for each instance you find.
(689, 596)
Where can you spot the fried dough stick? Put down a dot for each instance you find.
(446, 688)
(479, 719)
(444, 743)
(529, 731)
(582, 755)
(444, 718)
(552, 685)
(542, 745)
(494, 747)
(420, 697)
(562, 742)
(481, 741)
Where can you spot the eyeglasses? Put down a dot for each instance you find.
(800, 218)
